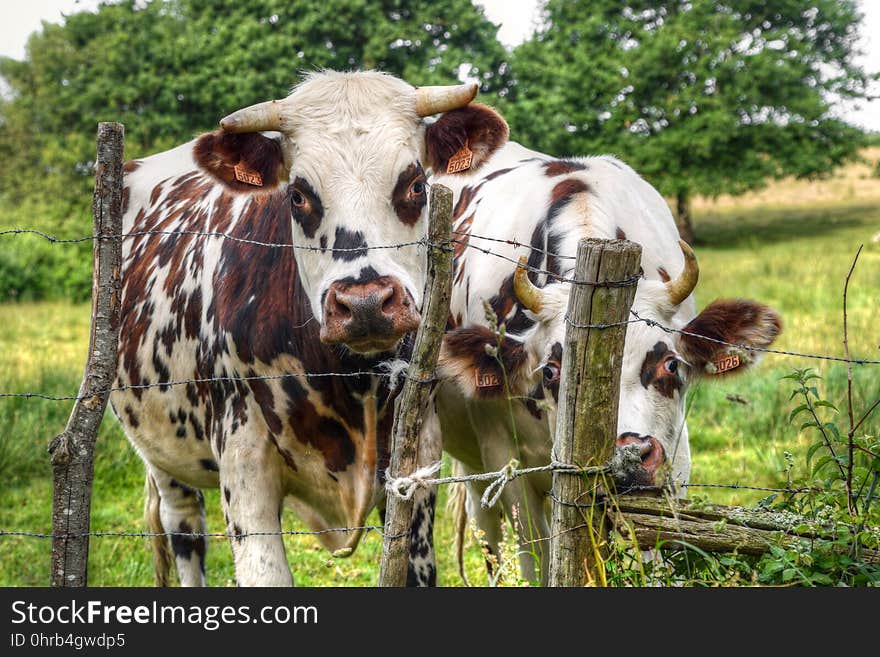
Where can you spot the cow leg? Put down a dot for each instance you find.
(488, 521)
(525, 507)
(252, 503)
(422, 568)
(182, 510)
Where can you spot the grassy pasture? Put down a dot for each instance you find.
(789, 246)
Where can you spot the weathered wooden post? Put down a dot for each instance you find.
(73, 450)
(589, 393)
(413, 399)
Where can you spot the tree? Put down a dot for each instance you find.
(171, 69)
(700, 96)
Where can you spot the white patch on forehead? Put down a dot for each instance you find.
(351, 137)
(347, 126)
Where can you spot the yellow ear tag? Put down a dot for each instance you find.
(486, 379)
(461, 161)
(727, 363)
(247, 176)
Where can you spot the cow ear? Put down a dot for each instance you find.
(748, 324)
(481, 365)
(463, 139)
(243, 162)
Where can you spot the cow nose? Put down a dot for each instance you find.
(648, 470)
(354, 303)
(368, 317)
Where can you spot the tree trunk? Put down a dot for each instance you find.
(683, 216)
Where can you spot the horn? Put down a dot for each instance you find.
(528, 293)
(433, 100)
(262, 116)
(680, 288)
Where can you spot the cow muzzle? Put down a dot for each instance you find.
(368, 317)
(640, 466)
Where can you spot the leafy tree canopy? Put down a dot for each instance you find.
(170, 69)
(700, 96)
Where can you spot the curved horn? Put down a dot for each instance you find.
(433, 100)
(262, 116)
(680, 288)
(528, 293)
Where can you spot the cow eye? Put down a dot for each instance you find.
(417, 188)
(297, 200)
(551, 372)
(671, 365)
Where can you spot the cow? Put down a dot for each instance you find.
(275, 351)
(499, 390)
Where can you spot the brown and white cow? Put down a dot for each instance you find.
(339, 172)
(513, 195)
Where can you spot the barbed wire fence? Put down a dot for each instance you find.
(425, 243)
(401, 486)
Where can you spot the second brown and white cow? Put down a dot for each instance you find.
(278, 347)
(519, 203)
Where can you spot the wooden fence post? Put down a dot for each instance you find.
(589, 393)
(72, 452)
(413, 399)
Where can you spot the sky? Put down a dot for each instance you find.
(516, 19)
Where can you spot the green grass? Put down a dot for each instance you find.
(794, 259)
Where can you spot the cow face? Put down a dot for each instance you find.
(657, 368)
(350, 153)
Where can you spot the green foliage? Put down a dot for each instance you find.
(700, 96)
(171, 69)
(836, 496)
(842, 471)
(33, 268)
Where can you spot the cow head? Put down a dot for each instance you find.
(657, 369)
(348, 149)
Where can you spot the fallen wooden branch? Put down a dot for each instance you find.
(673, 524)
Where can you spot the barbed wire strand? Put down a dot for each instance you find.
(405, 486)
(225, 236)
(358, 249)
(779, 352)
(743, 347)
(215, 379)
(638, 319)
(425, 242)
(626, 282)
(515, 244)
(104, 534)
(142, 233)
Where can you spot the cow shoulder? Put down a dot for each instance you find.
(243, 162)
(477, 127)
